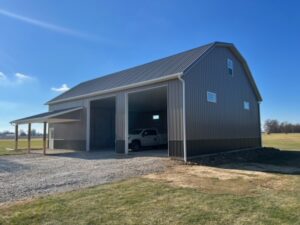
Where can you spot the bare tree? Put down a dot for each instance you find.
(271, 126)
(274, 126)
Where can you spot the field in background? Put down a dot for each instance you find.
(282, 141)
(7, 144)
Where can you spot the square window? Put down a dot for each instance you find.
(155, 117)
(211, 97)
(246, 105)
(230, 67)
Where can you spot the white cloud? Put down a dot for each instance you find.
(46, 25)
(61, 89)
(22, 76)
(2, 76)
(18, 79)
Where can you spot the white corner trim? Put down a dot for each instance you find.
(184, 118)
(142, 83)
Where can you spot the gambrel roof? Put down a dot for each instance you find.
(156, 71)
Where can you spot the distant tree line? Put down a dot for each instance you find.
(274, 126)
(22, 133)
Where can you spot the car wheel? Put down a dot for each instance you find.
(135, 146)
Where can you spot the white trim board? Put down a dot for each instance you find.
(125, 87)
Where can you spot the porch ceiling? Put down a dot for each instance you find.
(57, 116)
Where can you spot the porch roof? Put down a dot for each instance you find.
(56, 116)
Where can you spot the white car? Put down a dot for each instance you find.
(146, 137)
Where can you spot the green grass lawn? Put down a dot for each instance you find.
(6, 144)
(143, 201)
(190, 195)
(282, 141)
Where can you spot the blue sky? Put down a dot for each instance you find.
(48, 45)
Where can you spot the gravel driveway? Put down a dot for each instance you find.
(31, 175)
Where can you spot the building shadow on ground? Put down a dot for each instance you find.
(263, 159)
(107, 154)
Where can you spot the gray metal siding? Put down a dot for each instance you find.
(226, 119)
(71, 134)
(66, 105)
(120, 116)
(175, 110)
(175, 118)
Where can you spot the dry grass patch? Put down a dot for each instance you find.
(223, 181)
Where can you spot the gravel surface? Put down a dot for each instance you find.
(25, 176)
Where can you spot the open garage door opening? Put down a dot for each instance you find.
(102, 124)
(147, 120)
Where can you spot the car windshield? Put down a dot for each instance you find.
(136, 131)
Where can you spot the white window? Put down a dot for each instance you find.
(246, 105)
(155, 117)
(211, 97)
(230, 67)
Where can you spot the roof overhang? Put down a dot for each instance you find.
(57, 116)
(122, 88)
(169, 77)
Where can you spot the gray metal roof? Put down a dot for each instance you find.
(153, 70)
(45, 117)
(161, 68)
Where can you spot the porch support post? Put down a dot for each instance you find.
(16, 136)
(29, 137)
(44, 138)
(88, 125)
(121, 145)
(48, 138)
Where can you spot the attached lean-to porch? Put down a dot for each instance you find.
(57, 116)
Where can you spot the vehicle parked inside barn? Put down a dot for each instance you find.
(146, 137)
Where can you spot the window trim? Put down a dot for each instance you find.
(213, 95)
(230, 66)
(246, 105)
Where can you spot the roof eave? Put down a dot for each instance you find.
(44, 118)
(122, 88)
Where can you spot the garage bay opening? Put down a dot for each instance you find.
(147, 120)
(102, 124)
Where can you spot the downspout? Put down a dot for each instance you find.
(183, 115)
